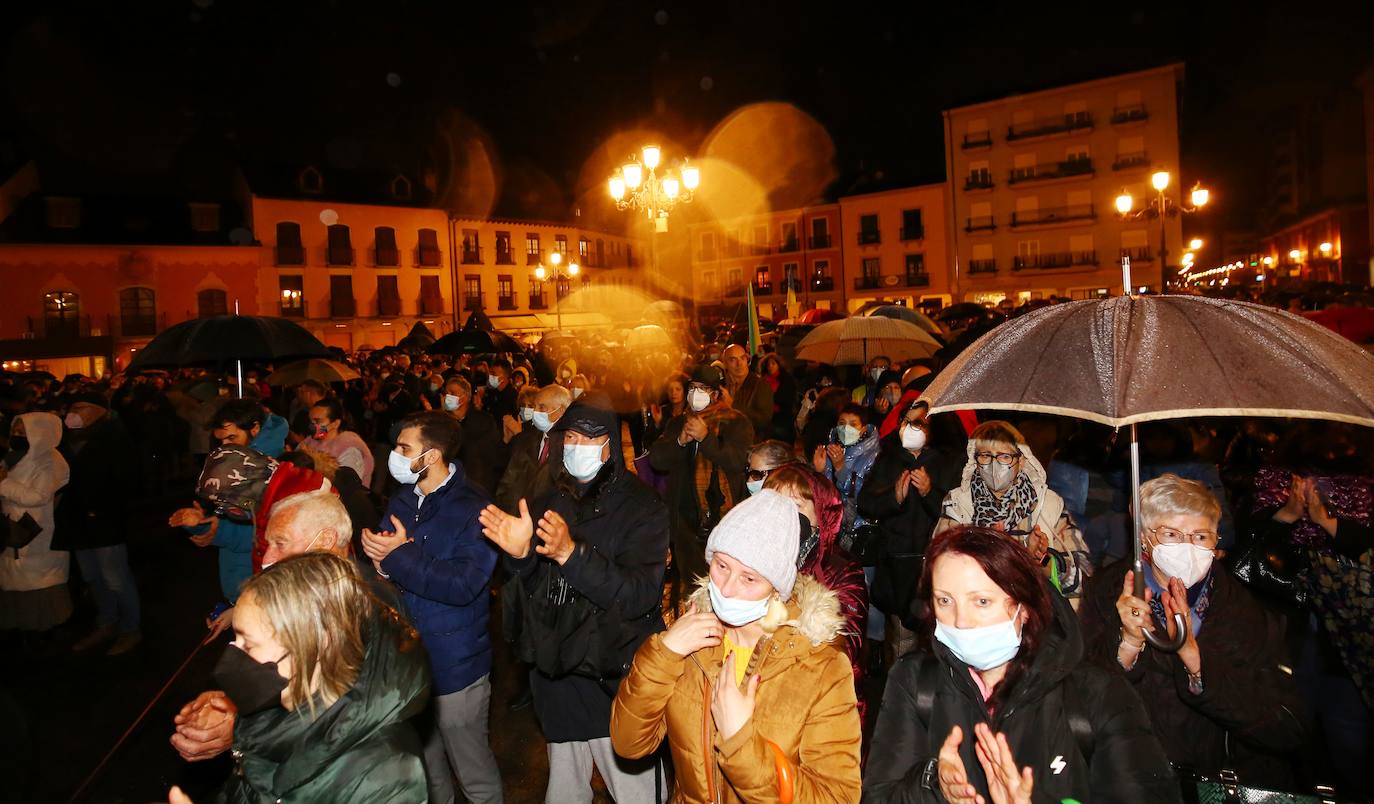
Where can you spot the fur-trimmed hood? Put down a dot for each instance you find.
(813, 611)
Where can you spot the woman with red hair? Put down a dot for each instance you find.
(1000, 703)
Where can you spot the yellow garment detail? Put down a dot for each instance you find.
(742, 657)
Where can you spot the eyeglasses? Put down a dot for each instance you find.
(1202, 538)
(757, 474)
(1004, 458)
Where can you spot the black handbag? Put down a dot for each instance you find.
(19, 532)
(1227, 788)
(1272, 569)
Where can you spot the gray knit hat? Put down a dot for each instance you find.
(764, 534)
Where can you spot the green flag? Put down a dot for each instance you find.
(753, 320)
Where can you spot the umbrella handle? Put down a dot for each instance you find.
(1165, 644)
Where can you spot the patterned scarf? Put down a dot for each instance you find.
(1010, 509)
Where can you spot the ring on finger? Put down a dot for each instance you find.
(1135, 612)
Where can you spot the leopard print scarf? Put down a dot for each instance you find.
(1011, 509)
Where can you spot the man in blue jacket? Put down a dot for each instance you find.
(431, 547)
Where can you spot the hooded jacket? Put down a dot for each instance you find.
(805, 706)
(579, 624)
(30, 488)
(1126, 762)
(359, 749)
(1066, 541)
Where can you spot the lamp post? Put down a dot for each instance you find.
(639, 186)
(557, 274)
(1162, 206)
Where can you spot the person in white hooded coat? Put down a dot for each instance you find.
(1004, 487)
(33, 579)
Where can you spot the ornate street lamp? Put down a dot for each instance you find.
(1161, 206)
(558, 274)
(639, 186)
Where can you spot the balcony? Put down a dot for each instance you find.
(868, 237)
(763, 288)
(1057, 170)
(1138, 254)
(505, 302)
(978, 181)
(868, 282)
(68, 327)
(294, 309)
(789, 245)
(823, 283)
(1127, 161)
(1053, 125)
(982, 266)
(338, 255)
(291, 255)
(820, 241)
(977, 139)
(427, 257)
(388, 257)
(917, 279)
(1062, 259)
(538, 302)
(1129, 114)
(434, 305)
(981, 223)
(342, 307)
(534, 257)
(1047, 215)
(139, 325)
(472, 301)
(472, 255)
(388, 308)
(504, 256)
(914, 233)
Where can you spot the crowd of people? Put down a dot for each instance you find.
(726, 577)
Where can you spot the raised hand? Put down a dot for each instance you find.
(730, 708)
(556, 538)
(693, 631)
(953, 777)
(920, 478)
(378, 545)
(1006, 783)
(510, 533)
(903, 485)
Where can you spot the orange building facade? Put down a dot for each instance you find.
(895, 247)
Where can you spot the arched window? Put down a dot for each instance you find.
(310, 181)
(61, 314)
(137, 312)
(211, 302)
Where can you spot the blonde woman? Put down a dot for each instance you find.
(324, 678)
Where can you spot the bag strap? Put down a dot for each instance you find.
(927, 678)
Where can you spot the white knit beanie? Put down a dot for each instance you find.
(763, 533)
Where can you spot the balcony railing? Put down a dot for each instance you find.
(290, 255)
(982, 266)
(1057, 170)
(296, 309)
(534, 257)
(823, 283)
(1138, 254)
(1062, 259)
(538, 302)
(504, 256)
(867, 282)
(1054, 125)
(978, 181)
(138, 325)
(977, 139)
(472, 255)
(472, 301)
(790, 245)
(389, 257)
(1129, 114)
(339, 255)
(820, 241)
(917, 279)
(913, 233)
(763, 288)
(505, 302)
(432, 305)
(342, 307)
(1053, 215)
(388, 308)
(1130, 160)
(980, 223)
(869, 237)
(428, 257)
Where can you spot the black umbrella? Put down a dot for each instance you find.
(224, 339)
(419, 338)
(474, 342)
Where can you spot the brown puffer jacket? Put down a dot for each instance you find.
(805, 707)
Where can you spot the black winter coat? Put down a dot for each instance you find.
(1246, 693)
(483, 452)
(1126, 764)
(93, 509)
(905, 528)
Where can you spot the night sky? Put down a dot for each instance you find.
(166, 96)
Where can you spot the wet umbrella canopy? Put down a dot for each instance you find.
(855, 340)
(224, 339)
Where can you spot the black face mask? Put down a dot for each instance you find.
(252, 685)
(19, 447)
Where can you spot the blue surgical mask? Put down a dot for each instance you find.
(754, 486)
(582, 461)
(982, 648)
(541, 421)
(733, 611)
(847, 434)
(452, 402)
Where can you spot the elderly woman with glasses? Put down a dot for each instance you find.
(1004, 488)
(1226, 699)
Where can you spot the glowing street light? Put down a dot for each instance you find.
(1325, 249)
(639, 186)
(1195, 243)
(557, 274)
(1295, 255)
(1161, 206)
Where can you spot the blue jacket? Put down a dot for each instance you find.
(271, 438)
(444, 574)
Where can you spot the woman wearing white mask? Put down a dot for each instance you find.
(1226, 699)
(756, 702)
(1004, 488)
(1001, 703)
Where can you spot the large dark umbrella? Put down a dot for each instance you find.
(1134, 359)
(224, 339)
(418, 338)
(474, 342)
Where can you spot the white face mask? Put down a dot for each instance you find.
(847, 434)
(982, 648)
(493, 381)
(876, 372)
(996, 476)
(541, 420)
(754, 486)
(526, 414)
(583, 461)
(399, 466)
(913, 438)
(452, 402)
(1185, 561)
(732, 610)
(698, 400)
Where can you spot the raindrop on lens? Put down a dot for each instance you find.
(393, 80)
(707, 82)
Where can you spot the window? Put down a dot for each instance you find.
(872, 267)
(472, 292)
(137, 312)
(762, 282)
(400, 188)
(562, 286)
(708, 282)
(310, 181)
(760, 239)
(211, 302)
(820, 233)
(600, 251)
(584, 249)
(1076, 113)
(431, 301)
(341, 302)
(504, 255)
(428, 247)
(1082, 250)
(789, 237)
(472, 250)
(62, 314)
(560, 244)
(708, 247)
(340, 246)
(1077, 153)
(204, 217)
(386, 252)
(915, 268)
(789, 277)
(533, 253)
(979, 176)
(292, 295)
(912, 227)
(820, 276)
(289, 248)
(868, 229)
(505, 292)
(388, 296)
(982, 261)
(537, 300)
(734, 278)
